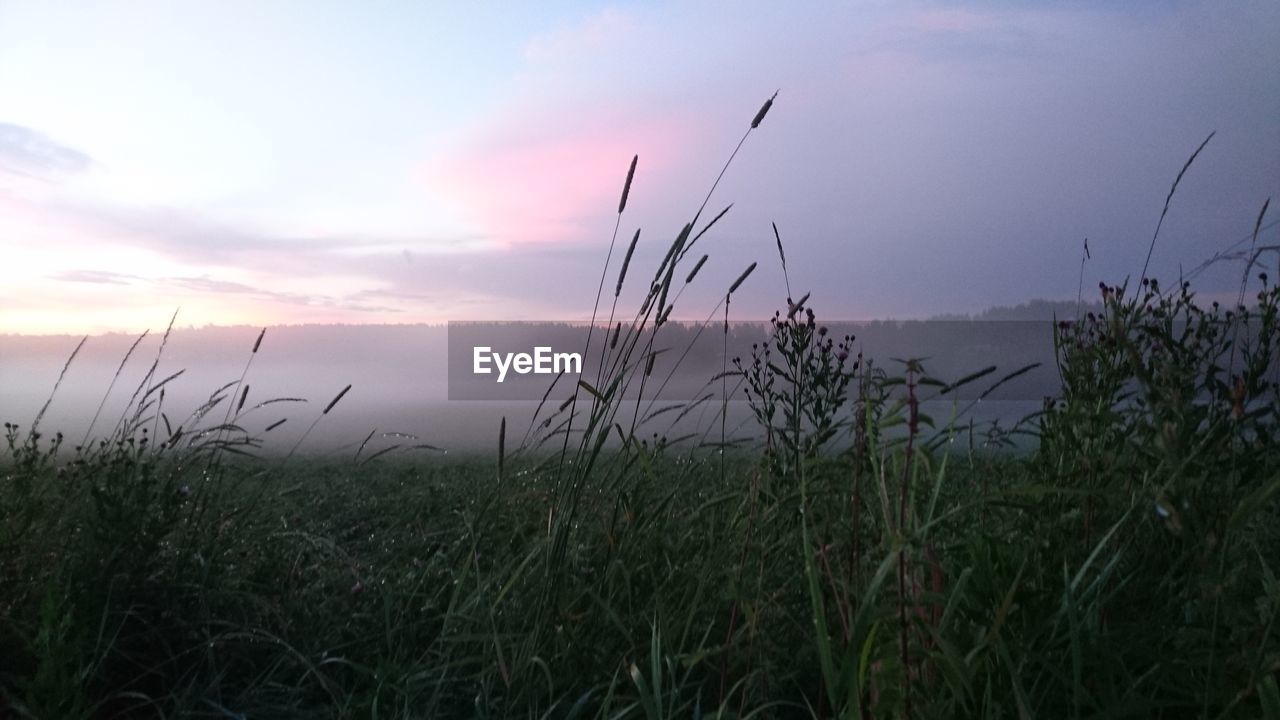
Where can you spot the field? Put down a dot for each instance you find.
(849, 557)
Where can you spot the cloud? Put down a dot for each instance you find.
(588, 35)
(951, 19)
(99, 277)
(960, 38)
(543, 177)
(207, 285)
(168, 252)
(919, 157)
(30, 153)
(194, 238)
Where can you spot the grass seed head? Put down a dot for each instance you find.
(694, 272)
(626, 261)
(781, 255)
(764, 110)
(335, 400)
(742, 278)
(626, 187)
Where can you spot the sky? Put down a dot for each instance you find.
(401, 162)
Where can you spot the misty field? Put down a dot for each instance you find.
(844, 555)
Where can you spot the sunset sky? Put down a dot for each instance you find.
(291, 162)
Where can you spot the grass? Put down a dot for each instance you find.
(845, 556)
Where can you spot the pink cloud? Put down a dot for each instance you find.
(552, 181)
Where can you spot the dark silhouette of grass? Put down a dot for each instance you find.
(845, 555)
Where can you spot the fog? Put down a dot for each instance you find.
(402, 381)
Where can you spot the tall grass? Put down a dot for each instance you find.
(844, 556)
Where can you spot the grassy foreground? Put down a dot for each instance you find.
(852, 558)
